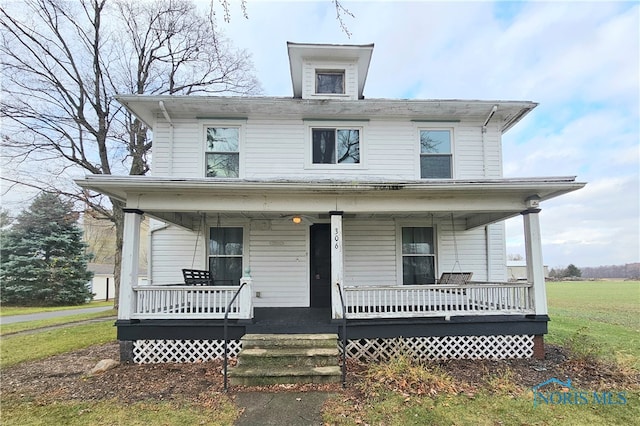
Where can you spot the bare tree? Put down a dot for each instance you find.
(63, 63)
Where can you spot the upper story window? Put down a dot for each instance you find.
(335, 145)
(330, 82)
(222, 157)
(436, 158)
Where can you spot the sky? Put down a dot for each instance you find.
(579, 60)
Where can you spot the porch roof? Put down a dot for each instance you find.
(181, 200)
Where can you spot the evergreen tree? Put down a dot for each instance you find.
(43, 259)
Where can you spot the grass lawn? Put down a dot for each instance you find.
(7, 329)
(107, 413)
(599, 317)
(23, 310)
(52, 342)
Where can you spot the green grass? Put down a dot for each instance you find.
(600, 317)
(481, 409)
(30, 347)
(23, 310)
(34, 325)
(107, 413)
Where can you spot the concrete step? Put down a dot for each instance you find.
(260, 341)
(268, 376)
(287, 356)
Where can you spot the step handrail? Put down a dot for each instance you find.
(226, 336)
(344, 337)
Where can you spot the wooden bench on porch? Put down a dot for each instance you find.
(455, 278)
(197, 277)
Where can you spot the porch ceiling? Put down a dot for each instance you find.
(183, 201)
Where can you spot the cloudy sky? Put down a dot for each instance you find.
(580, 61)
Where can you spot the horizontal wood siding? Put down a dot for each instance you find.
(172, 250)
(274, 150)
(369, 252)
(389, 149)
(278, 261)
(498, 253)
(468, 247)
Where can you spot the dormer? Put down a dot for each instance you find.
(329, 71)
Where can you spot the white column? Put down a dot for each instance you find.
(130, 261)
(337, 272)
(246, 297)
(535, 265)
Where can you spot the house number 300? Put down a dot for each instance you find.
(336, 238)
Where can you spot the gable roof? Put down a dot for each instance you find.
(360, 53)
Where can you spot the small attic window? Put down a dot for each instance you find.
(329, 81)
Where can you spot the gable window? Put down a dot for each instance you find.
(435, 154)
(330, 82)
(222, 157)
(418, 256)
(225, 255)
(335, 146)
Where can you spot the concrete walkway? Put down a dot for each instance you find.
(10, 319)
(281, 409)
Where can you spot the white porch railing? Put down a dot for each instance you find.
(191, 302)
(438, 300)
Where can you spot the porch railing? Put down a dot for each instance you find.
(191, 302)
(438, 300)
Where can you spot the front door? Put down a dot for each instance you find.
(320, 261)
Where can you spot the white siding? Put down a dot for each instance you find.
(468, 248)
(279, 263)
(370, 252)
(172, 250)
(389, 149)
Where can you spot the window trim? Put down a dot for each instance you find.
(228, 123)
(400, 255)
(310, 125)
(419, 155)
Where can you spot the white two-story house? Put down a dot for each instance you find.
(327, 205)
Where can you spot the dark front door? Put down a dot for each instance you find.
(320, 253)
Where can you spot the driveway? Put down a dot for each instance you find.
(10, 319)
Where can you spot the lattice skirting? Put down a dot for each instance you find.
(419, 348)
(445, 347)
(176, 351)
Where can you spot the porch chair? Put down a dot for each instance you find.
(455, 278)
(197, 277)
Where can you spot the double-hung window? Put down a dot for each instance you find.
(225, 255)
(418, 256)
(222, 157)
(435, 154)
(335, 145)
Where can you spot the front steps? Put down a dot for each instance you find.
(267, 359)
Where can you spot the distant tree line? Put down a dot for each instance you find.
(627, 271)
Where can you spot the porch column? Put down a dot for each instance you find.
(130, 260)
(336, 263)
(535, 266)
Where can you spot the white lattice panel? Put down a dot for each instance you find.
(159, 351)
(445, 347)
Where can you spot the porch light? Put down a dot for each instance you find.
(297, 220)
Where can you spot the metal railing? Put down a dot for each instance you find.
(226, 335)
